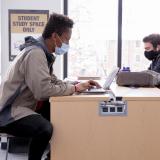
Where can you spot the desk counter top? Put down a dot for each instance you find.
(128, 93)
(131, 93)
(81, 97)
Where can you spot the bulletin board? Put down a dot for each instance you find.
(24, 23)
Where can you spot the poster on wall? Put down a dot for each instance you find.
(23, 23)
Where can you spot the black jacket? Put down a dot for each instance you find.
(155, 65)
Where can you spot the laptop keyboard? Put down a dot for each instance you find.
(95, 90)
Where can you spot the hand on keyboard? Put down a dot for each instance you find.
(87, 85)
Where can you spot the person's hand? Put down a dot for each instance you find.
(86, 85)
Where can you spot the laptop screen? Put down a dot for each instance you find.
(106, 85)
(110, 78)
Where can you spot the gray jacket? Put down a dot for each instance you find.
(28, 80)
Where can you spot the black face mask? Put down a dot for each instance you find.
(151, 55)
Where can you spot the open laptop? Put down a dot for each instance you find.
(106, 85)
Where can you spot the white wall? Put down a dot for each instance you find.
(51, 5)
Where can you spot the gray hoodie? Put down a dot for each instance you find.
(30, 78)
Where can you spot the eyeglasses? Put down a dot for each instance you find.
(67, 42)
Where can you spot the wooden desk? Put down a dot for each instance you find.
(81, 133)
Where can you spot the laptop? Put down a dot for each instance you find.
(106, 85)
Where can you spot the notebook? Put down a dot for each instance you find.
(106, 85)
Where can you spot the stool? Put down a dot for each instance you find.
(7, 136)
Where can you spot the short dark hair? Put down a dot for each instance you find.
(154, 39)
(57, 23)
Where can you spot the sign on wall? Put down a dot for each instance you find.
(24, 23)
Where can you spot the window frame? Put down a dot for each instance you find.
(119, 37)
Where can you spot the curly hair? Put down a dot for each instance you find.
(57, 23)
(154, 39)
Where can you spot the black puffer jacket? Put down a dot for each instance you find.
(155, 65)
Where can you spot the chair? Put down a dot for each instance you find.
(7, 148)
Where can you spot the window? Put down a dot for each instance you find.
(139, 20)
(93, 46)
(0, 44)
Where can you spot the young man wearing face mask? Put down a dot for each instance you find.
(152, 51)
(31, 79)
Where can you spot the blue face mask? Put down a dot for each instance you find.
(62, 50)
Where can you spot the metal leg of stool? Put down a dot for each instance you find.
(7, 148)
